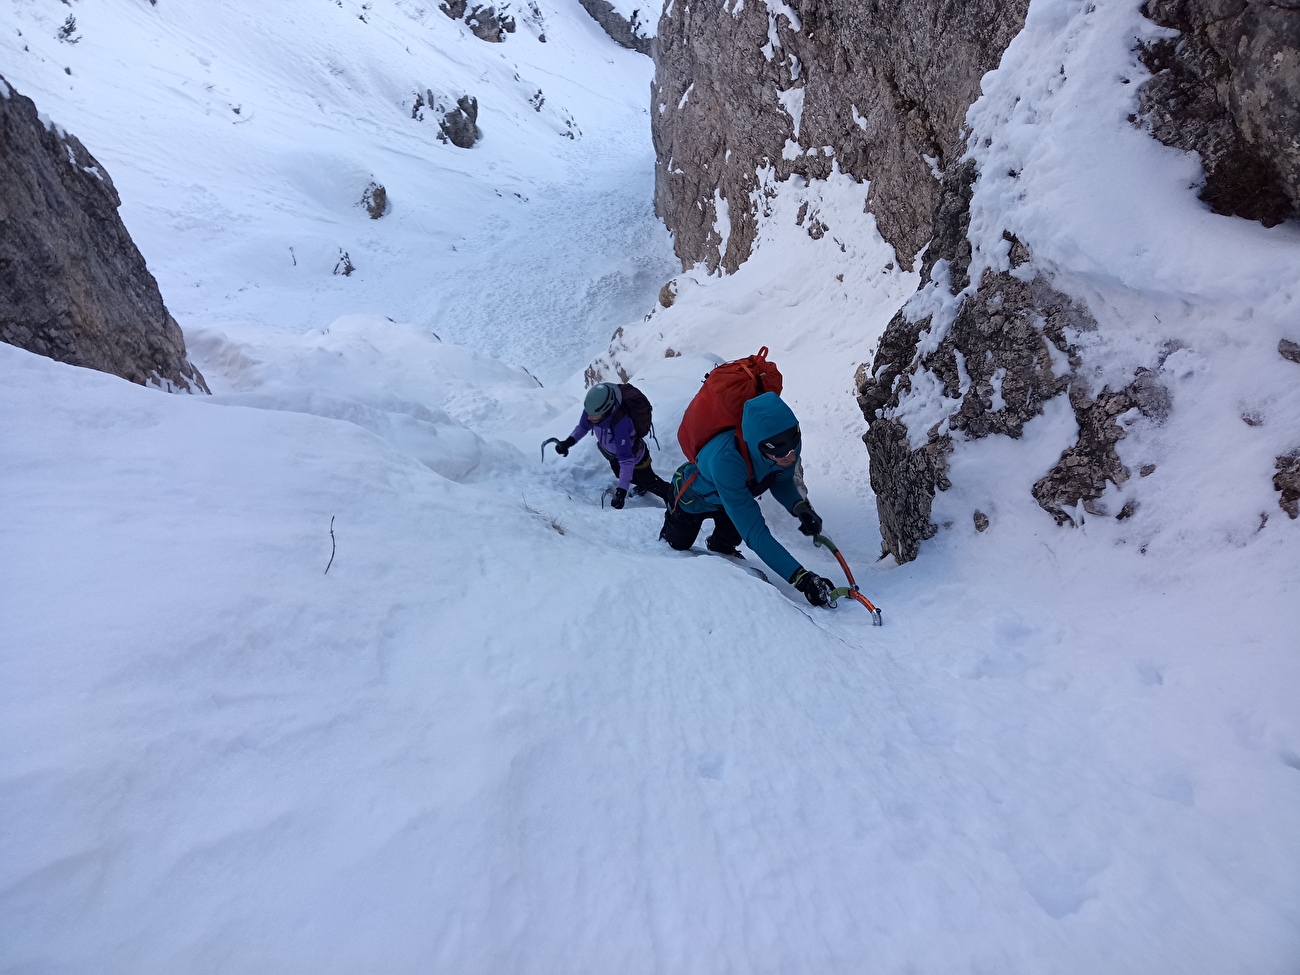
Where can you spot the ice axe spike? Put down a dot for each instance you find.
(852, 589)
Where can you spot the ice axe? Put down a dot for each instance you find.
(851, 590)
(545, 444)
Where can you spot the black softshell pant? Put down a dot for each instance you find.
(681, 528)
(643, 476)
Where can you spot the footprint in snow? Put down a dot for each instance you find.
(1150, 674)
(711, 766)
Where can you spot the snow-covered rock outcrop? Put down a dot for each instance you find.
(73, 285)
(632, 29)
(998, 327)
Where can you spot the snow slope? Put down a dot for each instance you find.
(242, 137)
(509, 731)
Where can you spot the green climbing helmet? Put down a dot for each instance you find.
(601, 398)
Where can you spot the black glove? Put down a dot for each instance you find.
(562, 448)
(810, 523)
(816, 589)
(620, 495)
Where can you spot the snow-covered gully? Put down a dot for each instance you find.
(511, 730)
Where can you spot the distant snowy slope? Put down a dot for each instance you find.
(242, 136)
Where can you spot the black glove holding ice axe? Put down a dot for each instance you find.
(817, 590)
(810, 523)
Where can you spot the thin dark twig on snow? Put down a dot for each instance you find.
(331, 561)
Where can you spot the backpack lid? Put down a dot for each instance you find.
(720, 403)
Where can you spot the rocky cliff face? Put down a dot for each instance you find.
(874, 89)
(73, 286)
(1227, 86)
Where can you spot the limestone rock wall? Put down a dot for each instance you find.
(73, 286)
(879, 89)
(1228, 87)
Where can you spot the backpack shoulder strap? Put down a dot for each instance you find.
(743, 449)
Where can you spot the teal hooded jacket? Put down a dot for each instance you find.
(722, 481)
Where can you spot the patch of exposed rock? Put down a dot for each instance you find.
(1081, 475)
(1287, 483)
(1228, 87)
(375, 200)
(486, 23)
(460, 125)
(73, 285)
(804, 88)
(624, 32)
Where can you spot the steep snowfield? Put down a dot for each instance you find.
(242, 138)
(509, 731)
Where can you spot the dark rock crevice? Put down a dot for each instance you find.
(73, 285)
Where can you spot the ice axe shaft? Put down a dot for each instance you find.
(852, 589)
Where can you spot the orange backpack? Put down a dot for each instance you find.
(720, 403)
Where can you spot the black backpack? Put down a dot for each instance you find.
(636, 406)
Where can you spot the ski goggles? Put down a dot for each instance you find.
(782, 444)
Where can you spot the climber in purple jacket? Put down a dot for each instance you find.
(616, 436)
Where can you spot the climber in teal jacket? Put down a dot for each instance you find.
(719, 486)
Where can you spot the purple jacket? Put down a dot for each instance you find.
(617, 439)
